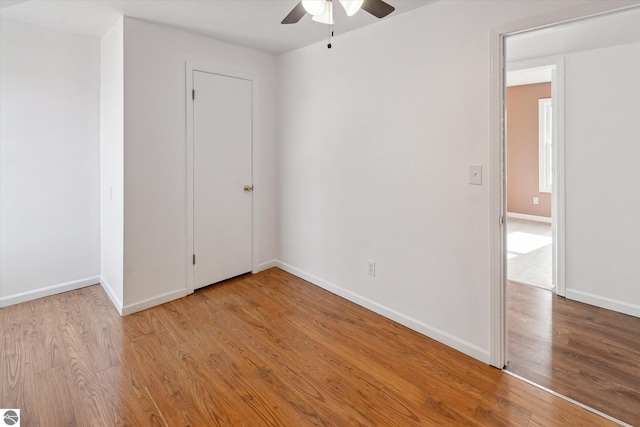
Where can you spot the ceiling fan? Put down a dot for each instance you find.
(322, 10)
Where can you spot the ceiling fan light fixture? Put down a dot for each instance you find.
(351, 6)
(314, 7)
(327, 16)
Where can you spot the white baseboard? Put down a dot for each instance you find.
(112, 295)
(265, 266)
(529, 217)
(48, 291)
(438, 335)
(604, 302)
(152, 302)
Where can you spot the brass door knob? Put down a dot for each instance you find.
(248, 188)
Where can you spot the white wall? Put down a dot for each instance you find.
(155, 267)
(112, 161)
(602, 89)
(49, 151)
(376, 138)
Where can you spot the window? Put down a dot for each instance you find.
(545, 144)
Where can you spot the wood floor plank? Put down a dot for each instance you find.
(53, 399)
(290, 384)
(264, 349)
(385, 378)
(379, 348)
(126, 403)
(18, 367)
(581, 351)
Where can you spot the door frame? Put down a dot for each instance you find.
(498, 356)
(210, 68)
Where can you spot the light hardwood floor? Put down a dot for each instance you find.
(587, 353)
(265, 349)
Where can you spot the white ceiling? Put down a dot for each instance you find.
(593, 33)
(528, 77)
(250, 23)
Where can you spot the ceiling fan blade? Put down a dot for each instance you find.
(377, 8)
(295, 15)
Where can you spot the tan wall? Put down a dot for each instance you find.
(522, 150)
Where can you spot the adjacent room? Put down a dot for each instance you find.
(241, 212)
(566, 330)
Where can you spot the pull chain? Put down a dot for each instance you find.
(330, 23)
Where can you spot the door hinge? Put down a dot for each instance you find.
(501, 221)
(194, 259)
(193, 94)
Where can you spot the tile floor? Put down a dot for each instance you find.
(529, 252)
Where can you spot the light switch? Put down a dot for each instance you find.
(475, 174)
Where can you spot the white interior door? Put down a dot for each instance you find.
(222, 168)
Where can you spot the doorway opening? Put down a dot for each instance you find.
(580, 340)
(532, 116)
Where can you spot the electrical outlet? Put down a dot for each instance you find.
(535, 200)
(371, 269)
